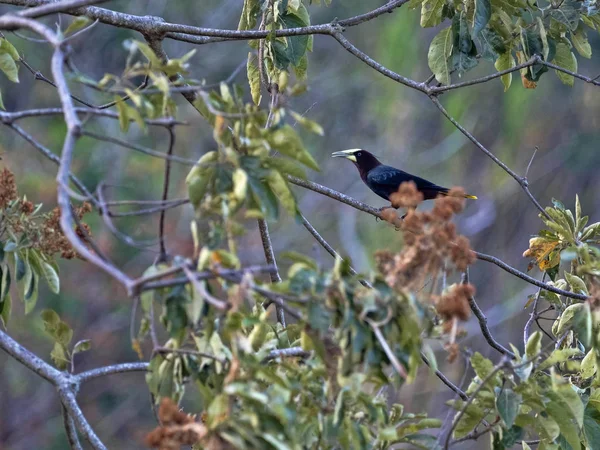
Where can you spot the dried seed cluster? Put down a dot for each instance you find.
(177, 429)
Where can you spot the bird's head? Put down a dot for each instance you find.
(363, 159)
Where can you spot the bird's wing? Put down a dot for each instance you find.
(389, 179)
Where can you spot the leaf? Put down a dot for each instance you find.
(431, 13)
(591, 428)
(31, 294)
(49, 274)
(286, 141)
(534, 345)
(6, 46)
(566, 408)
(82, 346)
(547, 427)
(249, 14)
(148, 53)
(286, 166)
(566, 59)
(464, 52)
(567, 15)
(5, 310)
(440, 50)
(240, 184)
(539, 249)
(483, 13)
(254, 78)
(580, 42)
(264, 196)
(577, 284)
(505, 61)
(59, 357)
(77, 24)
(588, 365)
(281, 189)
(482, 366)
(310, 125)
(8, 66)
(123, 112)
(296, 45)
(491, 43)
(559, 356)
(508, 403)
(200, 176)
(573, 317)
(1, 102)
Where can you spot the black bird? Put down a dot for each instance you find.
(385, 180)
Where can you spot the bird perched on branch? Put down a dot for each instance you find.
(385, 180)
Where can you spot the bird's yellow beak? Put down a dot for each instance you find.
(348, 154)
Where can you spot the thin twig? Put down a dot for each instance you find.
(161, 223)
(482, 319)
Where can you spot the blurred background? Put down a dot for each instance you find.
(357, 107)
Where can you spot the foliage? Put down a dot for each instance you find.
(502, 31)
(319, 381)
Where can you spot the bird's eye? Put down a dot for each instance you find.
(359, 154)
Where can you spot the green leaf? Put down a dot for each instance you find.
(8, 66)
(287, 167)
(567, 15)
(310, 125)
(31, 294)
(566, 59)
(482, 366)
(440, 50)
(249, 14)
(1, 102)
(577, 284)
(580, 42)
(59, 356)
(558, 356)
(200, 177)
(296, 45)
(148, 53)
(281, 189)
(505, 61)
(483, 13)
(547, 427)
(264, 196)
(567, 411)
(508, 403)
(82, 346)
(588, 365)
(5, 309)
(254, 78)
(48, 272)
(464, 52)
(286, 141)
(6, 281)
(491, 43)
(534, 345)
(7, 47)
(123, 112)
(591, 428)
(431, 13)
(77, 24)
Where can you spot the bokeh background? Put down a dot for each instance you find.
(357, 107)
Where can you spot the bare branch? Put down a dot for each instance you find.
(521, 180)
(161, 223)
(483, 323)
(110, 370)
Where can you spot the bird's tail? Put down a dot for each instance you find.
(447, 192)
